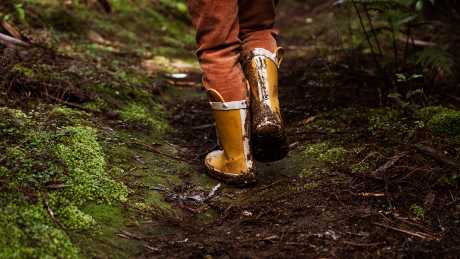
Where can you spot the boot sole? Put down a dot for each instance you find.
(271, 144)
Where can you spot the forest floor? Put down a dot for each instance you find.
(363, 179)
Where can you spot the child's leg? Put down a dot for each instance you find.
(261, 62)
(256, 19)
(217, 28)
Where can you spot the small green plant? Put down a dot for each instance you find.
(21, 12)
(328, 218)
(402, 77)
(417, 210)
(409, 103)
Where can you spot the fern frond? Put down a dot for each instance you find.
(435, 57)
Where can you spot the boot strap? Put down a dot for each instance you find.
(265, 53)
(236, 105)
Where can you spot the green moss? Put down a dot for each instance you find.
(63, 110)
(144, 115)
(86, 163)
(443, 120)
(28, 232)
(26, 71)
(68, 155)
(321, 157)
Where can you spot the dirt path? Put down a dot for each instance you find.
(284, 215)
(340, 214)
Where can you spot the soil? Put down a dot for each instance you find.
(344, 220)
(349, 219)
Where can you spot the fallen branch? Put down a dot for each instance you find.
(11, 30)
(420, 43)
(161, 153)
(74, 105)
(356, 244)
(203, 127)
(370, 177)
(7, 40)
(429, 151)
(52, 215)
(413, 233)
(389, 164)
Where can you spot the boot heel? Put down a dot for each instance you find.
(269, 142)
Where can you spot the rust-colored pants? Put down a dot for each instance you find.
(226, 29)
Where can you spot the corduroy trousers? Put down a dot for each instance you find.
(225, 30)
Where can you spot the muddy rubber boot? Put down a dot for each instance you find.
(269, 138)
(234, 164)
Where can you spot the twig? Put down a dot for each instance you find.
(429, 151)
(356, 244)
(389, 164)
(74, 105)
(371, 177)
(6, 40)
(152, 188)
(203, 127)
(52, 215)
(268, 186)
(417, 234)
(389, 200)
(204, 153)
(28, 138)
(161, 153)
(341, 202)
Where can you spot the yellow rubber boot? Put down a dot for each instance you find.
(234, 164)
(270, 142)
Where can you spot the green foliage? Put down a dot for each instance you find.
(409, 103)
(397, 18)
(328, 218)
(443, 121)
(435, 57)
(402, 77)
(26, 71)
(21, 12)
(417, 210)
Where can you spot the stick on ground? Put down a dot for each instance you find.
(52, 215)
(6, 40)
(164, 154)
(74, 105)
